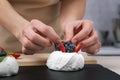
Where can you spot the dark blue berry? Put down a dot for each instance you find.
(69, 46)
(57, 48)
(3, 53)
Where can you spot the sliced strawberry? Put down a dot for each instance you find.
(78, 47)
(1, 48)
(62, 48)
(10, 53)
(15, 55)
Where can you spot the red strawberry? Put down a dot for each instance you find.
(15, 55)
(78, 47)
(62, 48)
(1, 48)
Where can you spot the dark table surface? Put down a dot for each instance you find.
(89, 72)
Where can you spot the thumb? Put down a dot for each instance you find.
(69, 32)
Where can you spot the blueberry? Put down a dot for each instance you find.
(69, 46)
(69, 42)
(3, 53)
(57, 48)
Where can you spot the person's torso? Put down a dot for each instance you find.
(46, 11)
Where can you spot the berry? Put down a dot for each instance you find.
(78, 47)
(62, 48)
(57, 47)
(1, 48)
(65, 46)
(69, 46)
(15, 55)
(3, 53)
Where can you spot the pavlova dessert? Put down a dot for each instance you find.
(66, 57)
(8, 64)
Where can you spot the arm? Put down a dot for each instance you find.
(10, 19)
(80, 32)
(32, 35)
(72, 10)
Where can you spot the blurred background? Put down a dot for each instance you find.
(106, 17)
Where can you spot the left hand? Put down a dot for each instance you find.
(82, 32)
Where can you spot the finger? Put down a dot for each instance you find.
(46, 30)
(93, 49)
(68, 33)
(85, 31)
(31, 46)
(36, 38)
(90, 40)
(27, 52)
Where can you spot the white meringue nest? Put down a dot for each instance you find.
(65, 61)
(8, 66)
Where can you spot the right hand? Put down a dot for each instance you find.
(36, 35)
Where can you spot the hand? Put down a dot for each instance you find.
(83, 32)
(36, 35)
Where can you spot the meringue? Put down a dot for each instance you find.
(8, 66)
(61, 61)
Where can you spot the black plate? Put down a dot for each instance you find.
(90, 72)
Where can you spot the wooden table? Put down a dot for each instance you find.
(110, 62)
(40, 59)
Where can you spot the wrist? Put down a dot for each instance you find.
(17, 31)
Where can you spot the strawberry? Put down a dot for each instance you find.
(10, 53)
(78, 47)
(2, 52)
(62, 48)
(1, 48)
(15, 55)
